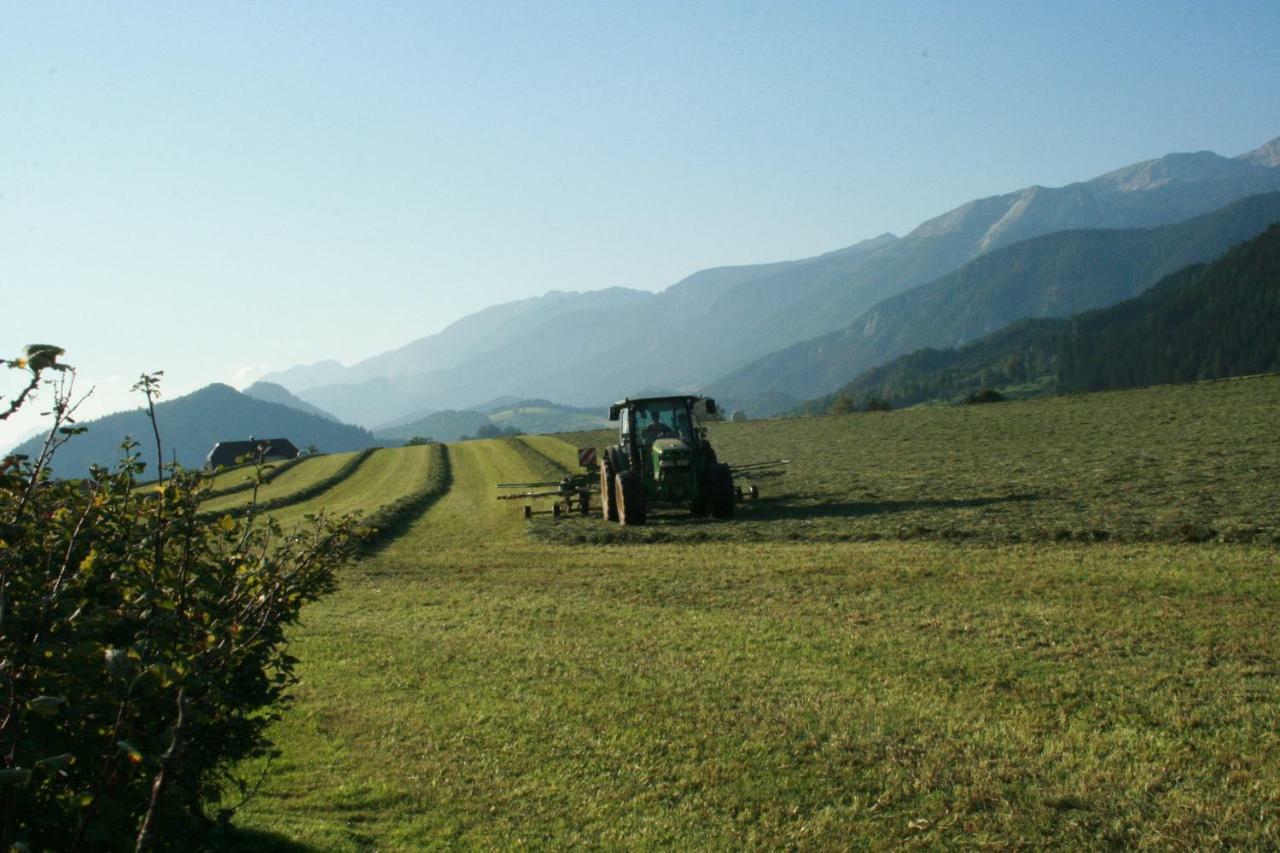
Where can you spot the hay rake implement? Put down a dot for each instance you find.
(571, 493)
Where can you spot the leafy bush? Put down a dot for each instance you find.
(493, 431)
(984, 395)
(843, 404)
(141, 643)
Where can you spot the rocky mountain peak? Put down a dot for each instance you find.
(1266, 155)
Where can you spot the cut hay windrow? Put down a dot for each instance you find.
(244, 482)
(386, 477)
(540, 462)
(390, 519)
(306, 492)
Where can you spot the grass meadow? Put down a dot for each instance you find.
(304, 474)
(817, 679)
(1169, 464)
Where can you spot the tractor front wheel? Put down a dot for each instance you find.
(720, 490)
(631, 498)
(608, 488)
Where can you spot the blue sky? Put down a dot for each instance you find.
(214, 190)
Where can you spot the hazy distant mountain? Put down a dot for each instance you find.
(1202, 322)
(309, 375)
(1267, 155)
(273, 393)
(1050, 276)
(472, 337)
(588, 348)
(527, 416)
(192, 424)
(543, 416)
(446, 425)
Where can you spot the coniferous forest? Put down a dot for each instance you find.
(1206, 321)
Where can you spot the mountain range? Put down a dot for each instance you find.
(590, 348)
(1206, 321)
(1054, 275)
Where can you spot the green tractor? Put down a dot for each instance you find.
(663, 457)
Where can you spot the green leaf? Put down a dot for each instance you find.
(56, 762)
(14, 776)
(46, 706)
(117, 662)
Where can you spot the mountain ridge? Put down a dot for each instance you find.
(1204, 321)
(270, 392)
(1051, 275)
(189, 427)
(584, 348)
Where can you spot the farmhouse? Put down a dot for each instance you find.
(227, 452)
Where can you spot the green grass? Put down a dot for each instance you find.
(385, 476)
(470, 685)
(235, 477)
(1175, 463)
(298, 477)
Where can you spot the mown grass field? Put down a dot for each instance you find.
(1169, 464)
(471, 684)
(297, 477)
(379, 480)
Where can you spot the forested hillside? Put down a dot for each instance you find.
(1055, 275)
(1203, 322)
(192, 424)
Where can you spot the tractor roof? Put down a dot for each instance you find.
(663, 398)
(616, 409)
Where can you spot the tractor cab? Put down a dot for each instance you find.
(648, 420)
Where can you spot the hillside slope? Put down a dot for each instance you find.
(1203, 322)
(270, 392)
(588, 348)
(1055, 275)
(192, 424)
(527, 416)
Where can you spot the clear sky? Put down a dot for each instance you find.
(215, 190)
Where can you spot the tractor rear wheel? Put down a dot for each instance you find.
(720, 490)
(699, 506)
(608, 488)
(631, 498)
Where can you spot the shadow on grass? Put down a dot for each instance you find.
(776, 509)
(255, 841)
(782, 508)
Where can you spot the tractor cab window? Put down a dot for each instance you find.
(663, 420)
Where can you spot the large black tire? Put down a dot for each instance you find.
(632, 503)
(720, 490)
(608, 487)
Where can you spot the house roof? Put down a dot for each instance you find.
(225, 452)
